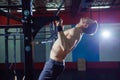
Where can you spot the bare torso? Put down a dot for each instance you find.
(73, 35)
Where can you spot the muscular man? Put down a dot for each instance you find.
(67, 40)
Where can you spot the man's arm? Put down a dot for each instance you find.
(63, 40)
(61, 36)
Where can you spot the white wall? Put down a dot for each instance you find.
(110, 47)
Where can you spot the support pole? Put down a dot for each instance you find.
(28, 38)
(6, 47)
(6, 55)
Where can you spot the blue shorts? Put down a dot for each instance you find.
(52, 70)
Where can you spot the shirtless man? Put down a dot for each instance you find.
(66, 41)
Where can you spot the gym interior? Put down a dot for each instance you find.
(27, 33)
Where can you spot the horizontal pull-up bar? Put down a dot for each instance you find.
(10, 15)
(11, 26)
(11, 6)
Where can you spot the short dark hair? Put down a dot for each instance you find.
(91, 29)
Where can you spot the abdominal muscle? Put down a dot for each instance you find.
(57, 53)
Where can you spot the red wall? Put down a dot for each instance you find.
(111, 16)
(3, 20)
(102, 17)
(72, 65)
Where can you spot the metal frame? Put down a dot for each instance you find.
(29, 32)
(28, 38)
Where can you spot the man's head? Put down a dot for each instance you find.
(88, 25)
(91, 28)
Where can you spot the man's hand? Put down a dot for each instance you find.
(59, 22)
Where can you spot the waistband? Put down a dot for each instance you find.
(57, 62)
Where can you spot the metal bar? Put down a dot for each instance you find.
(52, 27)
(57, 12)
(6, 46)
(11, 34)
(10, 16)
(39, 22)
(28, 38)
(11, 6)
(11, 26)
(6, 56)
(14, 41)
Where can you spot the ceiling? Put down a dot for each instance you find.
(69, 5)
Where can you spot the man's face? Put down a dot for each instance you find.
(85, 22)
